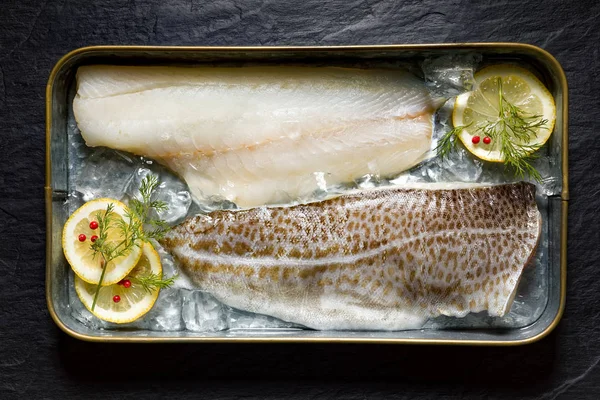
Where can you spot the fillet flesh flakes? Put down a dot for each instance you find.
(258, 135)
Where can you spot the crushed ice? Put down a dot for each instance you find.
(101, 172)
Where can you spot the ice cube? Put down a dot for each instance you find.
(450, 75)
(461, 166)
(520, 313)
(166, 313)
(171, 190)
(203, 313)
(551, 184)
(105, 173)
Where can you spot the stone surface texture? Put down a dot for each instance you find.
(39, 361)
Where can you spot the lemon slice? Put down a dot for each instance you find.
(133, 301)
(78, 234)
(481, 107)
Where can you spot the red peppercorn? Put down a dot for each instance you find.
(82, 238)
(475, 139)
(94, 238)
(94, 225)
(487, 140)
(116, 298)
(126, 283)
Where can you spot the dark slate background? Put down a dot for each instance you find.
(39, 361)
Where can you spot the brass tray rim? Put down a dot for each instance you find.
(543, 54)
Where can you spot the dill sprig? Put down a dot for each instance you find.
(139, 215)
(513, 130)
(152, 282)
(448, 142)
(142, 209)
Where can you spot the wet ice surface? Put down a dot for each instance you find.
(101, 172)
(461, 166)
(450, 75)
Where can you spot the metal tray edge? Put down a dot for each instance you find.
(489, 45)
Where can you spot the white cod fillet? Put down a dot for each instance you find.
(258, 135)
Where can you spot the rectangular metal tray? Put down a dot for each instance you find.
(56, 189)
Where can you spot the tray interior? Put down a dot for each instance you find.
(59, 101)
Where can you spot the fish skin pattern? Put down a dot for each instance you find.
(381, 259)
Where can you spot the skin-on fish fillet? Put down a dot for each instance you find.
(384, 259)
(258, 135)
